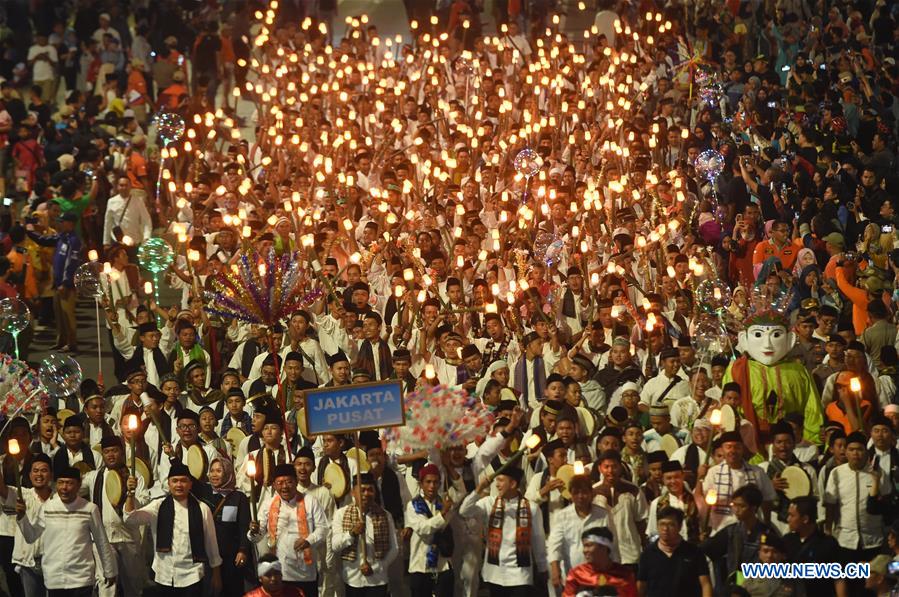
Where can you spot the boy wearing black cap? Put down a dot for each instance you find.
(146, 353)
(783, 440)
(125, 542)
(186, 349)
(74, 449)
(431, 543)
(771, 550)
(729, 476)
(313, 363)
(136, 384)
(854, 503)
(545, 489)
(24, 555)
(339, 365)
(669, 385)
(373, 353)
(677, 495)
(514, 529)
(529, 371)
(70, 530)
(364, 525)
(402, 363)
(183, 535)
(270, 454)
(188, 428)
(304, 466)
(293, 526)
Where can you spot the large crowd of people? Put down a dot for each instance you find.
(660, 250)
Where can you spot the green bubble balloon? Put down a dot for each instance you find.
(155, 255)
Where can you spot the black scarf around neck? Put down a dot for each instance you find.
(165, 528)
(366, 359)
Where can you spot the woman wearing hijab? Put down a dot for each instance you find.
(231, 512)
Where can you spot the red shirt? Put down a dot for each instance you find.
(286, 591)
(584, 577)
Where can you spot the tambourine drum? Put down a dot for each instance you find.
(234, 436)
(669, 444)
(798, 483)
(196, 461)
(565, 473)
(728, 418)
(83, 467)
(587, 421)
(144, 471)
(301, 422)
(62, 415)
(336, 478)
(361, 459)
(114, 489)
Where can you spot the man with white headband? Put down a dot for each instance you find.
(271, 580)
(599, 570)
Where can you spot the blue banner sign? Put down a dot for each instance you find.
(355, 407)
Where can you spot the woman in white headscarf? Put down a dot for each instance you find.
(497, 371)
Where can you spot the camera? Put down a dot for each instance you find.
(886, 228)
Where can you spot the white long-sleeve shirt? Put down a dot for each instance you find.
(564, 542)
(849, 490)
(423, 530)
(508, 573)
(349, 569)
(23, 552)
(134, 221)
(113, 524)
(176, 568)
(287, 533)
(69, 533)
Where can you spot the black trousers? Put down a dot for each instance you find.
(856, 586)
(80, 592)
(9, 569)
(309, 588)
(519, 591)
(424, 584)
(194, 590)
(380, 591)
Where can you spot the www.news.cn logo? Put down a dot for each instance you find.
(806, 571)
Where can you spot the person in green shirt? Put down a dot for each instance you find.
(70, 201)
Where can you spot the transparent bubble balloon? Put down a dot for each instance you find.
(709, 164)
(704, 77)
(541, 243)
(709, 335)
(14, 316)
(711, 94)
(767, 298)
(87, 280)
(553, 252)
(155, 255)
(61, 375)
(170, 127)
(713, 295)
(463, 67)
(528, 162)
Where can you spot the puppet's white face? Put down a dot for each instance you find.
(767, 344)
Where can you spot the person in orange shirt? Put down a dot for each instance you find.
(776, 245)
(860, 297)
(845, 409)
(21, 272)
(136, 94)
(834, 244)
(175, 95)
(137, 163)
